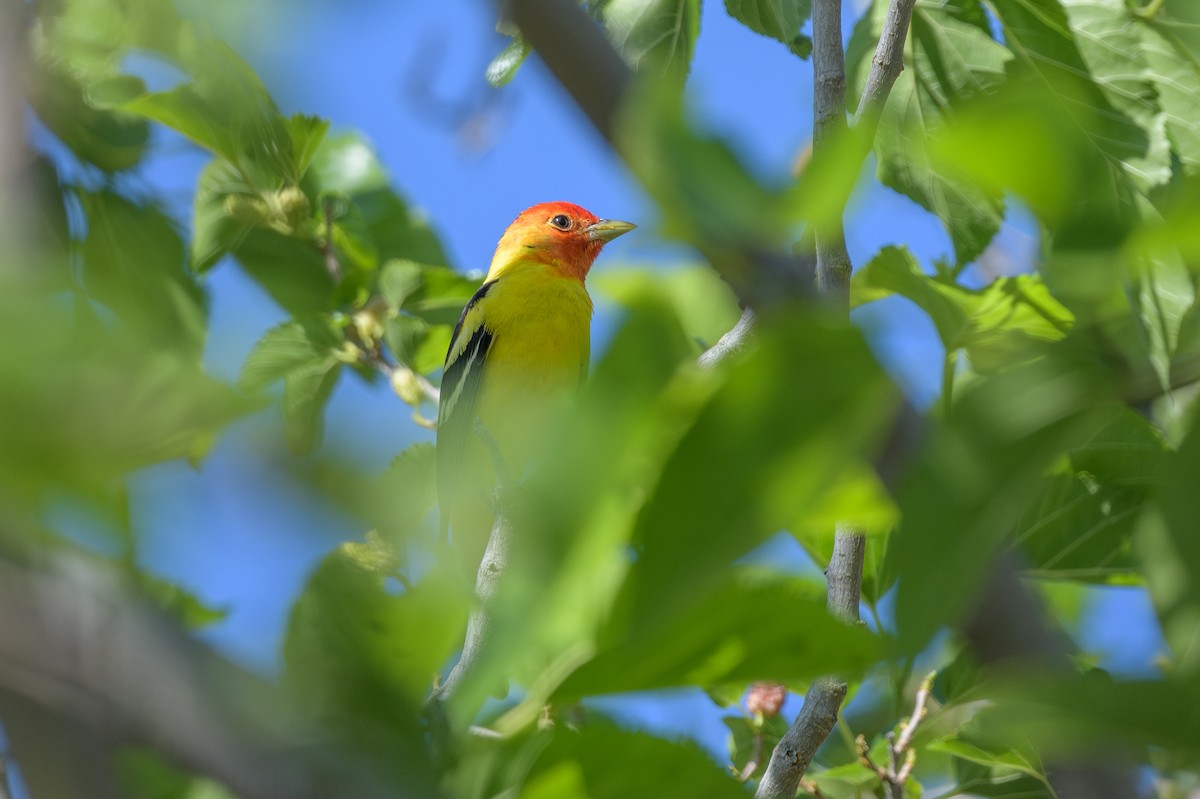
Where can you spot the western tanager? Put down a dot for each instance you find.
(520, 346)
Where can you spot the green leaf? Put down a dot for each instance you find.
(292, 271)
(700, 298)
(953, 60)
(506, 63)
(284, 349)
(143, 775)
(1081, 527)
(1107, 35)
(179, 603)
(781, 20)
(978, 473)
(1176, 76)
(998, 762)
(579, 765)
(1170, 552)
(346, 164)
(1002, 324)
(417, 344)
(306, 132)
(1067, 715)
(306, 390)
(147, 286)
(398, 280)
(730, 635)
(225, 209)
(362, 659)
(226, 109)
(750, 740)
(652, 35)
(111, 140)
(1094, 83)
(442, 295)
(705, 191)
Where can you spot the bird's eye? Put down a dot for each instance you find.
(562, 222)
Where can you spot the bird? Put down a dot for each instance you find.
(520, 349)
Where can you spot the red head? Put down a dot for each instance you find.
(561, 235)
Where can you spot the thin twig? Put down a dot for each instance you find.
(901, 757)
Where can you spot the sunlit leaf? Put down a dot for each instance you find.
(656, 34)
(504, 66)
(779, 19)
(954, 59)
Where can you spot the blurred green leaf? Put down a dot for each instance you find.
(1067, 715)
(977, 475)
(702, 300)
(1170, 553)
(568, 562)
(417, 344)
(362, 659)
(147, 286)
(579, 765)
(112, 140)
(226, 109)
(306, 391)
(306, 132)
(652, 35)
(143, 775)
(179, 603)
(768, 445)
(727, 636)
(441, 296)
(504, 66)
(730, 635)
(782, 20)
(954, 59)
(225, 209)
(292, 271)
(1007, 773)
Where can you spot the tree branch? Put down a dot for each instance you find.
(77, 649)
(829, 122)
(794, 753)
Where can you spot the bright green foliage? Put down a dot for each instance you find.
(1065, 433)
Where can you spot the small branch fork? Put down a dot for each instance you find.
(901, 756)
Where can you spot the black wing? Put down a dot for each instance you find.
(461, 379)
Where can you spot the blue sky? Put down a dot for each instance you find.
(410, 76)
